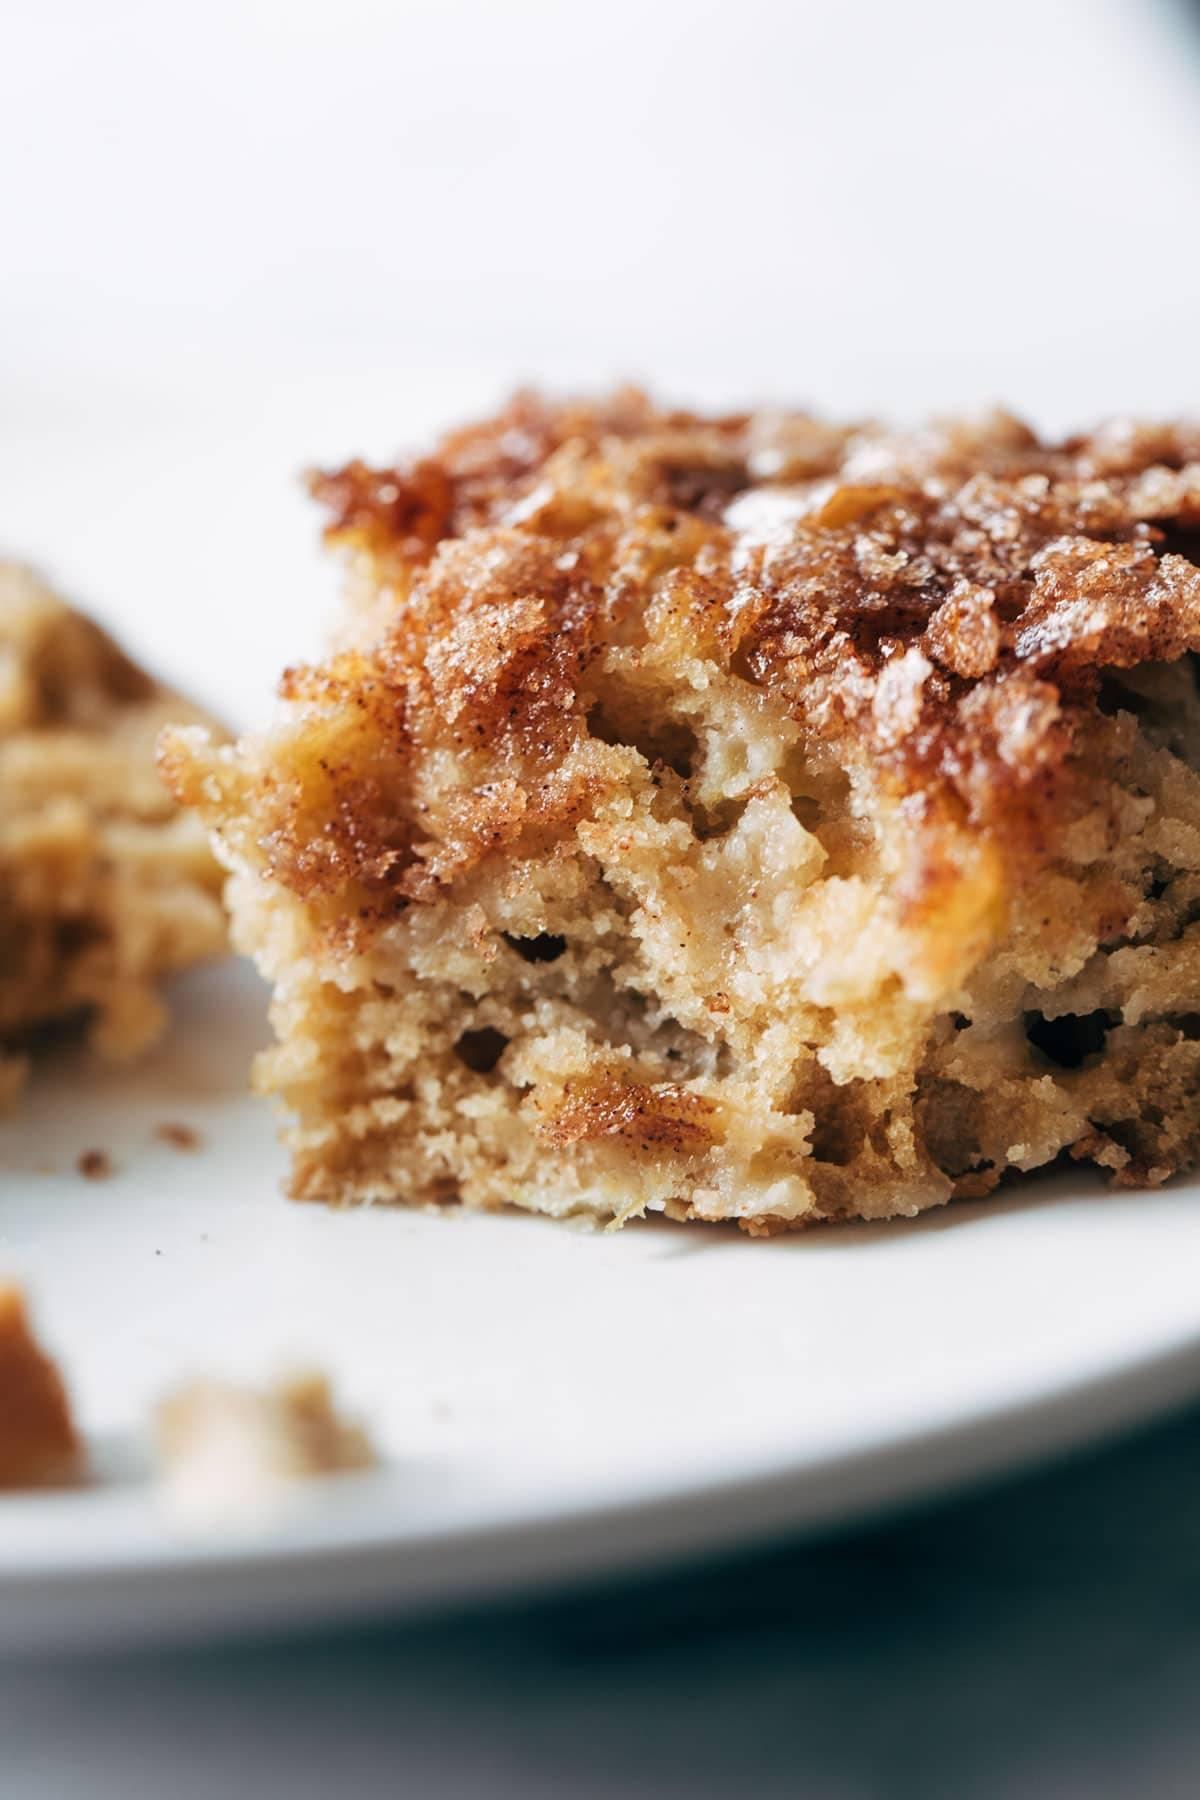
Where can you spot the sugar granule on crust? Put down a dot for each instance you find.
(740, 818)
(106, 886)
(39, 1446)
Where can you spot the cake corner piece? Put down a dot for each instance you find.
(741, 818)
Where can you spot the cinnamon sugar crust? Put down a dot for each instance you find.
(735, 817)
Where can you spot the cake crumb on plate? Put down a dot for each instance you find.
(39, 1446)
(227, 1451)
(178, 1136)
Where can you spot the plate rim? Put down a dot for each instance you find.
(331, 1566)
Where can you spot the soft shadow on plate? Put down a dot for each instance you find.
(1040, 1188)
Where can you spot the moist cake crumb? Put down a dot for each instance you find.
(39, 1446)
(742, 818)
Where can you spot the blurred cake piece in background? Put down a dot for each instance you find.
(106, 886)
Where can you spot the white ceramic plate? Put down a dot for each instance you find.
(549, 1402)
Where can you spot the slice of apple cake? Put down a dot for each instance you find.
(741, 818)
(105, 884)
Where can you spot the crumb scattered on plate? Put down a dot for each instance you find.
(179, 1137)
(229, 1451)
(95, 1165)
(39, 1446)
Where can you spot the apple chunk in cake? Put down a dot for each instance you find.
(742, 818)
(105, 884)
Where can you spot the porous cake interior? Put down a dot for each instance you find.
(739, 819)
(105, 884)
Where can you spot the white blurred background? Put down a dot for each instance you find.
(241, 236)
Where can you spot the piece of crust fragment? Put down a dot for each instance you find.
(228, 1452)
(39, 1446)
(742, 818)
(106, 885)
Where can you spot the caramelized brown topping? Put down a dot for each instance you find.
(480, 472)
(937, 608)
(662, 1120)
